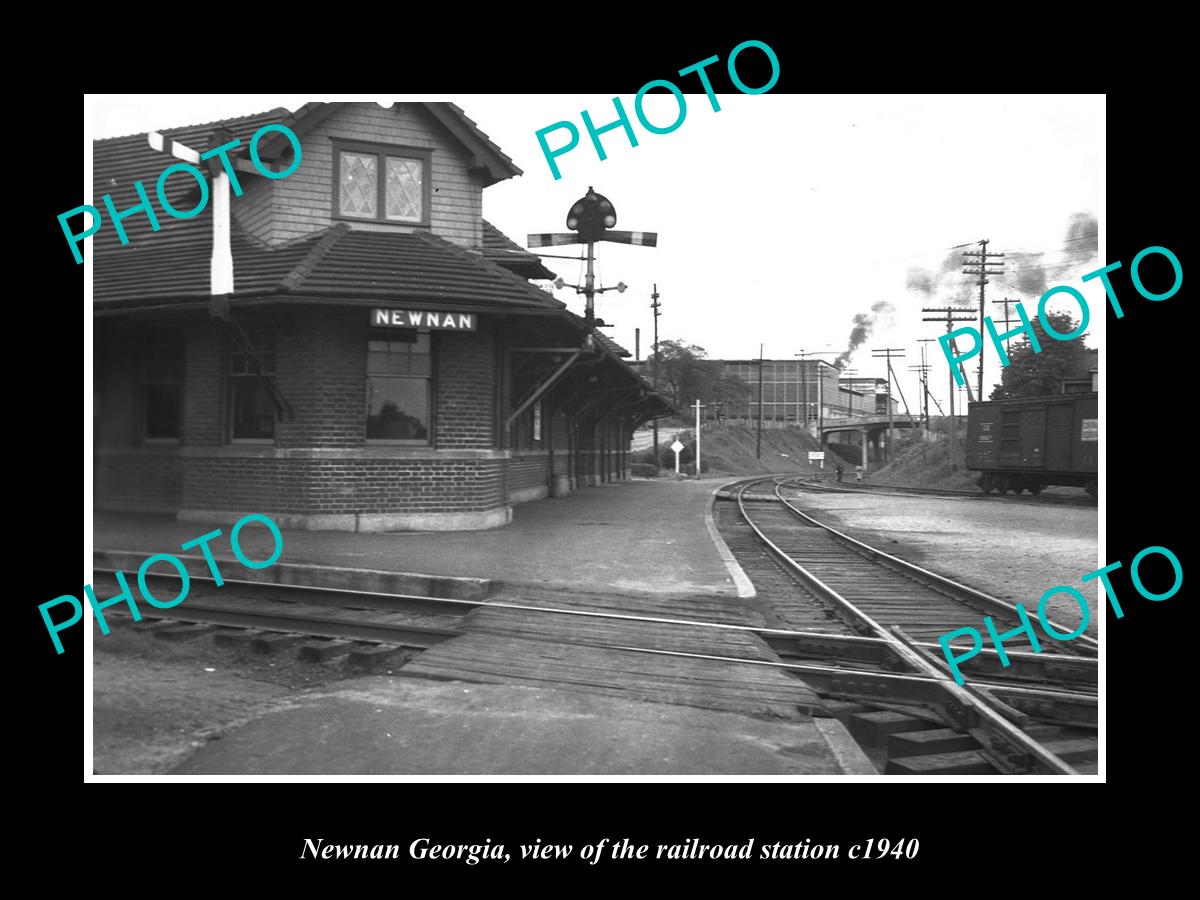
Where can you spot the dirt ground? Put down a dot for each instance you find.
(1014, 551)
(156, 701)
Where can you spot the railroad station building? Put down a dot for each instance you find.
(384, 362)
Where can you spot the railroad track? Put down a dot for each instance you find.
(1037, 715)
(897, 490)
(884, 680)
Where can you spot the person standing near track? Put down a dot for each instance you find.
(839, 473)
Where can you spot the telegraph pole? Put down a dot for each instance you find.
(925, 364)
(803, 391)
(758, 447)
(850, 375)
(654, 305)
(820, 409)
(888, 353)
(804, 382)
(923, 375)
(979, 260)
(1007, 303)
(699, 406)
(950, 315)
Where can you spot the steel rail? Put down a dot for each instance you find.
(940, 581)
(815, 642)
(423, 638)
(317, 626)
(1003, 743)
(897, 490)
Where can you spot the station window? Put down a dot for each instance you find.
(381, 184)
(399, 385)
(161, 376)
(252, 414)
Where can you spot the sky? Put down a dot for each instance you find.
(782, 217)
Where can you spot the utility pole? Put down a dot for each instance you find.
(950, 315)
(803, 391)
(758, 447)
(804, 382)
(979, 260)
(1007, 303)
(820, 408)
(850, 375)
(925, 365)
(654, 305)
(637, 345)
(888, 353)
(923, 376)
(699, 406)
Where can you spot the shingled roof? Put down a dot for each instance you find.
(339, 264)
(499, 248)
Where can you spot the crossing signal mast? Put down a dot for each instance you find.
(592, 218)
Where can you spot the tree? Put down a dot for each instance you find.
(685, 373)
(1030, 374)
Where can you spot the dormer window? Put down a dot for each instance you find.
(378, 183)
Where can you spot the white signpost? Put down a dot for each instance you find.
(677, 447)
(221, 265)
(817, 456)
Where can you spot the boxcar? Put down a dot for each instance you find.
(1033, 442)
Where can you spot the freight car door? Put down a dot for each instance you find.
(1058, 437)
(1033, 437)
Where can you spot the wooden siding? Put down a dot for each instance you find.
(294, 207)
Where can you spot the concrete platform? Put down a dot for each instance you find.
(526, 694)
(641, 537)
(388, 726)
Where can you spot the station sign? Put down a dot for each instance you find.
(422, 318)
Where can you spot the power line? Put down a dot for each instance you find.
(980, 260)
(950, 315)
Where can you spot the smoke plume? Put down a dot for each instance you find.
(946, 284)
(864, 324)
(1032, 273)
(921, 281)
(1026, 272)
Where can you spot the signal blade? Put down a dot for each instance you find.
(639, 238)
(176, 149)
(553, 239)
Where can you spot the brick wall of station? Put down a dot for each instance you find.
(320, 462)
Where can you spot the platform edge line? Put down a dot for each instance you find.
(745, 588)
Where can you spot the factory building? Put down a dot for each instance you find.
(795, 391)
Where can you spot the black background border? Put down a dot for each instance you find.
(974, 830)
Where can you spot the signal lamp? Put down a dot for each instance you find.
(591, 215)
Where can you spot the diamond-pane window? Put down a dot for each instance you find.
(382, 183)
(359, 185)
(404, 189)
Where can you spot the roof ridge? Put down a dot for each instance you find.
(214, 124)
